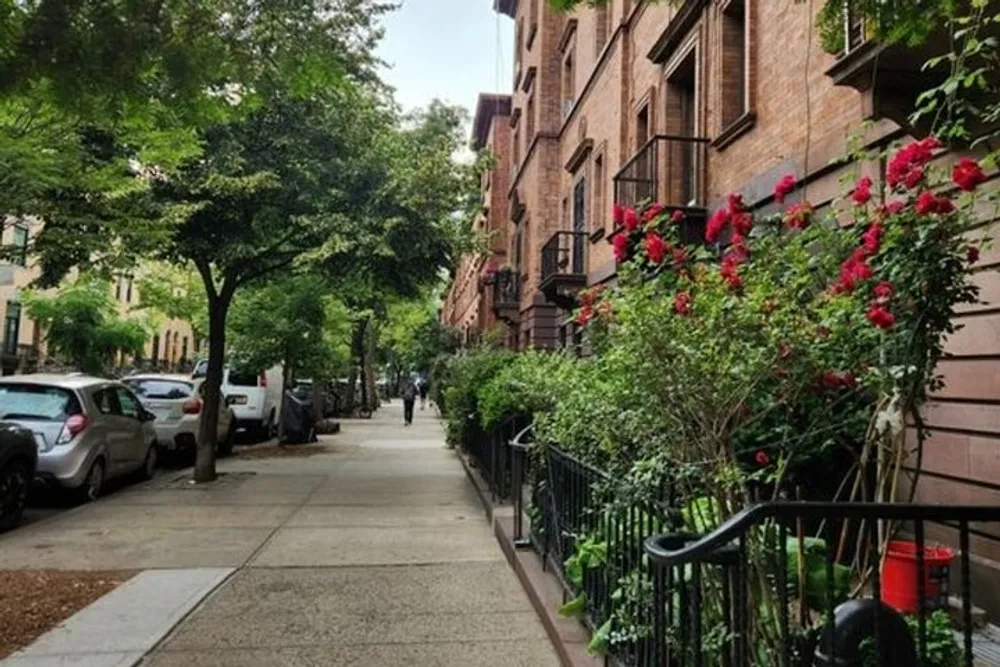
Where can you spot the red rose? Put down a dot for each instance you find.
(729, 271)
(797, 216)
(585, 315)
(618, 215)
(682, 303)
(716, 225)
(762, 458)
(656, 248)
(894, 207)
(631, 220)
(742, 222)
(784, 187)
(906, 166)
(652, 213)
(880, 317)
(677, 215)
(972, 254)
(735, 203)
(928, 203)
(872, 238)
(620, 243)
(862, 191)
(967, 174)
(884, 291)
(680, 258)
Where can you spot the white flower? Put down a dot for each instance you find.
(890, 418)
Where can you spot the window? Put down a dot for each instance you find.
(156, 348)
(603, 28)
(534, 23)
(568, 84)
(684, 175)
(184, 349)
(19, 246)
(529, 121)
(107, 402)
(118, 289)
(642, 127)
(734, 62)
(128, 293)
(520, 43)
(166, 347)
(579, 224)
(128, 403)
(597, 210)
(38, 402)
(518, 243)
(11, 327)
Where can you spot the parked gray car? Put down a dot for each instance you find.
(87, 430)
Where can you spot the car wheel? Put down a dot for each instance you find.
(94, 484)
(15, 480)
(152, 458)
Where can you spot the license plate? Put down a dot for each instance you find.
(239, 400)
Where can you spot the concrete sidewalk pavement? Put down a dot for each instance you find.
(375, 553)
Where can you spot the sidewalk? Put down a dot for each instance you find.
(373, 554)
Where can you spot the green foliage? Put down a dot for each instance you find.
(288, 321)
(533, 383)
(812, 560)
(175, 292)
(83, 326)
(468, 371)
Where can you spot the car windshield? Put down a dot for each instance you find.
(242, 379)
(39, 402)
(162, 389)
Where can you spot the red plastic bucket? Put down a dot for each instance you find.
(900, 587)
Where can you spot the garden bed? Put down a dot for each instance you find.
(32, 602)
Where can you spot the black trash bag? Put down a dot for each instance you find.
(298, 424)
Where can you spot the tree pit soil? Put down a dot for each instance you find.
(273, 451)
(32, 602)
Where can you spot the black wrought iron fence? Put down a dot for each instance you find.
(593, 539)
(491, 455)
(816, 584)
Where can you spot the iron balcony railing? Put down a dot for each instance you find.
(666, 169)
(506, 290)
(563, 255)
(807, 583)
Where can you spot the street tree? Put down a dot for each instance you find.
(83, 325)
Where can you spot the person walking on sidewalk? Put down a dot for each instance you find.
(409, 395)
(423, 393)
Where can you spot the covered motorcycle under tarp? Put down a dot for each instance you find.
(298, 423)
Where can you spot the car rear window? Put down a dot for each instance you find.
(33, 401)
(242, 379)
(162, 389)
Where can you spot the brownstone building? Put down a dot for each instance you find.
(683, 103)
(468, 305)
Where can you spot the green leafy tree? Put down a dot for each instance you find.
(174, 291)
(83, 326)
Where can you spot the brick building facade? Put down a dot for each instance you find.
(686, 102)
(468, 305)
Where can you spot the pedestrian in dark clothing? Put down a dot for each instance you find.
(409, 395)
(423, 394)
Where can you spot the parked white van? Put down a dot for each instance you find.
(255, 398)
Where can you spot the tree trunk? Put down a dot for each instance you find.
(204, 466)
(371, 388)
(286, 379)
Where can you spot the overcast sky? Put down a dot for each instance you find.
(447, 49)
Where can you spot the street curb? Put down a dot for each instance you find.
(568, 637)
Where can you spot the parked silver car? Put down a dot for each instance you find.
(176, 400)
(87, 430)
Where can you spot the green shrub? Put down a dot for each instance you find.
(534, 382)
(468, 371)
